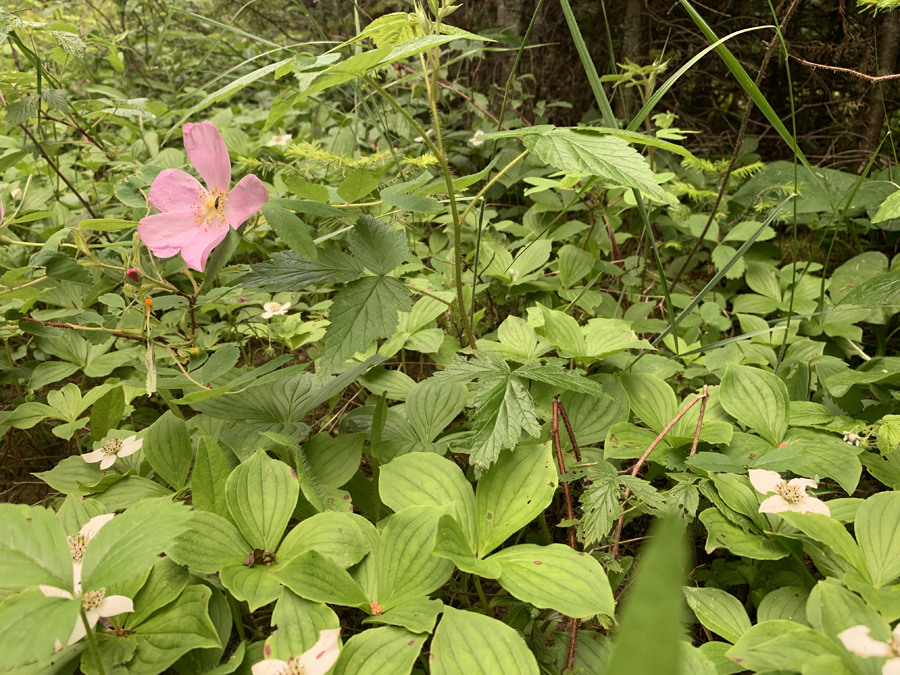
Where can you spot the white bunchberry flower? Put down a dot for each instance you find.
(279, 140)
(274, 309)
(857, 640)
(115, 447)
(317, 660)
(96, 606)
(476, 139)
(790, 495)
(78, 544)
(851, 438)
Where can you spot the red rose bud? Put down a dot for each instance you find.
(133, 275)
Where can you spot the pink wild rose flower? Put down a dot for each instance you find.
(193, 220)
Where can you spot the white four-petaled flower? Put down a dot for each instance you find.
(858, 641)
(115, 447)
(790, 495)
(78, 544)
(279, 140)
(274, 309)
(96, 606)
(476, 139)
(317, 660)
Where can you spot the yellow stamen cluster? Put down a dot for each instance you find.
(112, 446)
(293, 668)
(209, 208)
(77, 544)
(791, 493)
(92, 599)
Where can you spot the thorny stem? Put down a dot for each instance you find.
(40, 149)
(640, 463)
(565, 418)
(705, 395)
(92, 639)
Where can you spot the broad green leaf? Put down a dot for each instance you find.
(427, 479)
(50, 372)
(358, 183)
(406, 567)
(220, 256)
(315, 577)
(758, 399)
(532, 257)
(574, 265)
(831, 533)
(167, 447)
(334, 461)
(30, 624)
(299, 622)
(105, 224)
(519, 486)
(131, 542)
(261, 494)
(107, 413)
(466, 643)
(724, 534)
(890, 208)
(651, 399)
(878, 536)
(388, 650)
(781, 645)
(338, 536)
(787, 602)
(591, 417)
(833, 609)
(416, 614)
(256, 585)
(607, 157)
(291, 230)
(164, 584)
(453, 543)
(168, 634)
(720, 612)
(71, 476)
(362, 311)
(555, 577)
(378, 246)
(654, 607)
(130, 490)
(880, 291)
(74, 513)
(431, 405)
(209, 477)
(33, 548)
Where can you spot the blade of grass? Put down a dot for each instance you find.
(609, 119)
(715, 345)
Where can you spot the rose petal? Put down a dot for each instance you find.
(107, 462)
(811, 505)
(207, 151)
(175, 190)
(115, 604)
(774, 504)
(319, 659)
(268, 667)
(197, 252)
(245, 199)
(93, 526)
(94, 457)
(765, 481)
(857, 640)
(178, 231)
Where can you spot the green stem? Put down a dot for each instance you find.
(236, 617)
(457, 224)
(481, 597)
(92, 640)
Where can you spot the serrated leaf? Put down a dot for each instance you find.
(261, 494)
(555, 577)
(466, 643)
(362, 311)
(600, 502)
(608, 157)
(568, 380)
(720, 257)
(286, 271)
(357, 185)
(378, 246)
